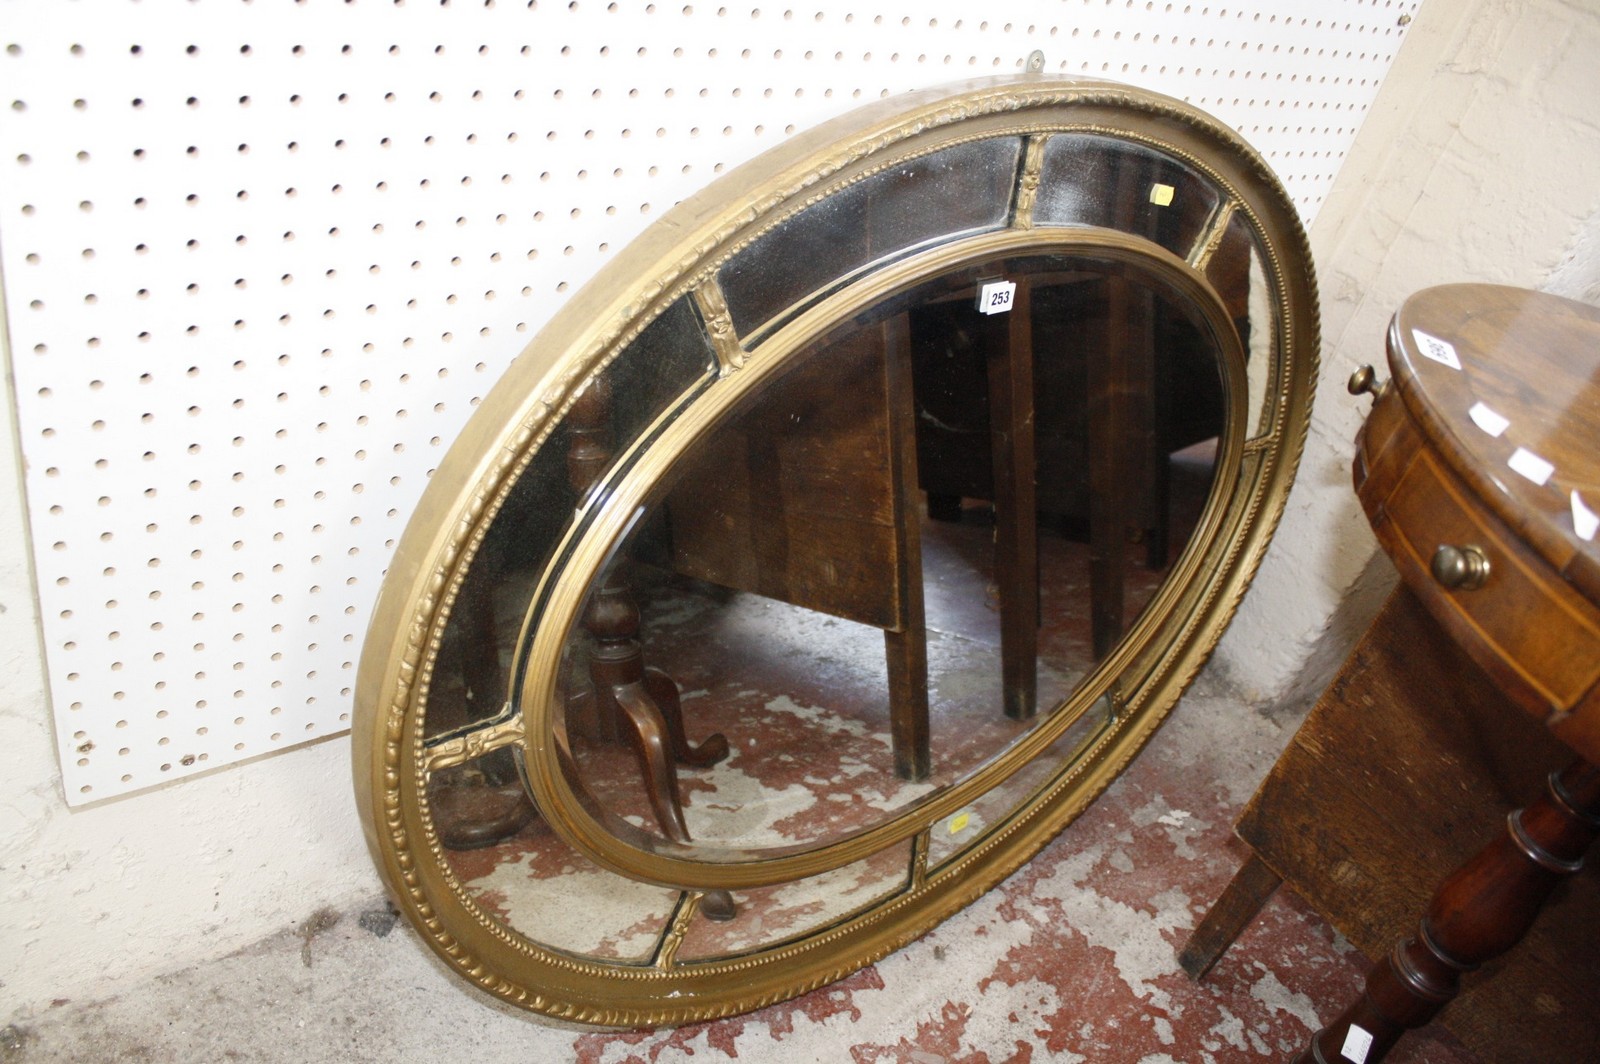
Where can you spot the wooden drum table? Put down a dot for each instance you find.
(1478, 469)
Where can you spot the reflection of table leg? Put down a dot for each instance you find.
(1016, 509)
(644, 701)
(906, 644)
(1479, 912)
(1118, 385)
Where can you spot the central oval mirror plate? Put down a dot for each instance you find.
(834, 547)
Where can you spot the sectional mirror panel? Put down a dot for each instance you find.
(834, 548)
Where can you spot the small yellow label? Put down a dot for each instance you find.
(959, 822)
(1161, 195)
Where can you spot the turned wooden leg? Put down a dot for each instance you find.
(645, 701)
(1479, 912)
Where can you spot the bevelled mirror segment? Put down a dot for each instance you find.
(834, 547)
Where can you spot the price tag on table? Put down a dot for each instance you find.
(1357, 1044)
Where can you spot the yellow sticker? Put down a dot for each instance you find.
(1161, 195)
(959, 822)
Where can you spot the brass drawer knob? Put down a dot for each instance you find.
(1364, 381)
(1460, 568)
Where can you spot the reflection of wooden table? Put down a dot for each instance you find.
(1476, 468)
(807, 498)
(1070, 398)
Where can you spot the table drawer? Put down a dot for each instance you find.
(1535, 636)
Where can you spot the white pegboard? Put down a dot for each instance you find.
(261, 259)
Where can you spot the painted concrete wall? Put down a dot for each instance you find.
(1478, 163)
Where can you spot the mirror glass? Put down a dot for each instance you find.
(869, 577)
(933, 198)
(1087, 179)
(1235, 271)
(475, 802)
(834, 548)
(535, 884)
(927, 499)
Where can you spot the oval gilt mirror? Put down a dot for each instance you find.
(834, 547)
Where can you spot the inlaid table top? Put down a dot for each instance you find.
(1480, 471)
(1505, 383)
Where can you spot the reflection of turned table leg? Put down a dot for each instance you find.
(1481, 911)
(643, 702)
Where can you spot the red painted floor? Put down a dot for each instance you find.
(1072, 959)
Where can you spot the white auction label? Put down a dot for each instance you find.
(1439, 350)
(995, 296)
(1357, 1044)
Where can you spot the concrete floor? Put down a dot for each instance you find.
(1072, 959)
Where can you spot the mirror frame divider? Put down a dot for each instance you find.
(674, 257)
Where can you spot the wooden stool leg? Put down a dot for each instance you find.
(1479, 912)
(1233, 910)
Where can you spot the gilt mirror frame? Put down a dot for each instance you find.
(1126, 696)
